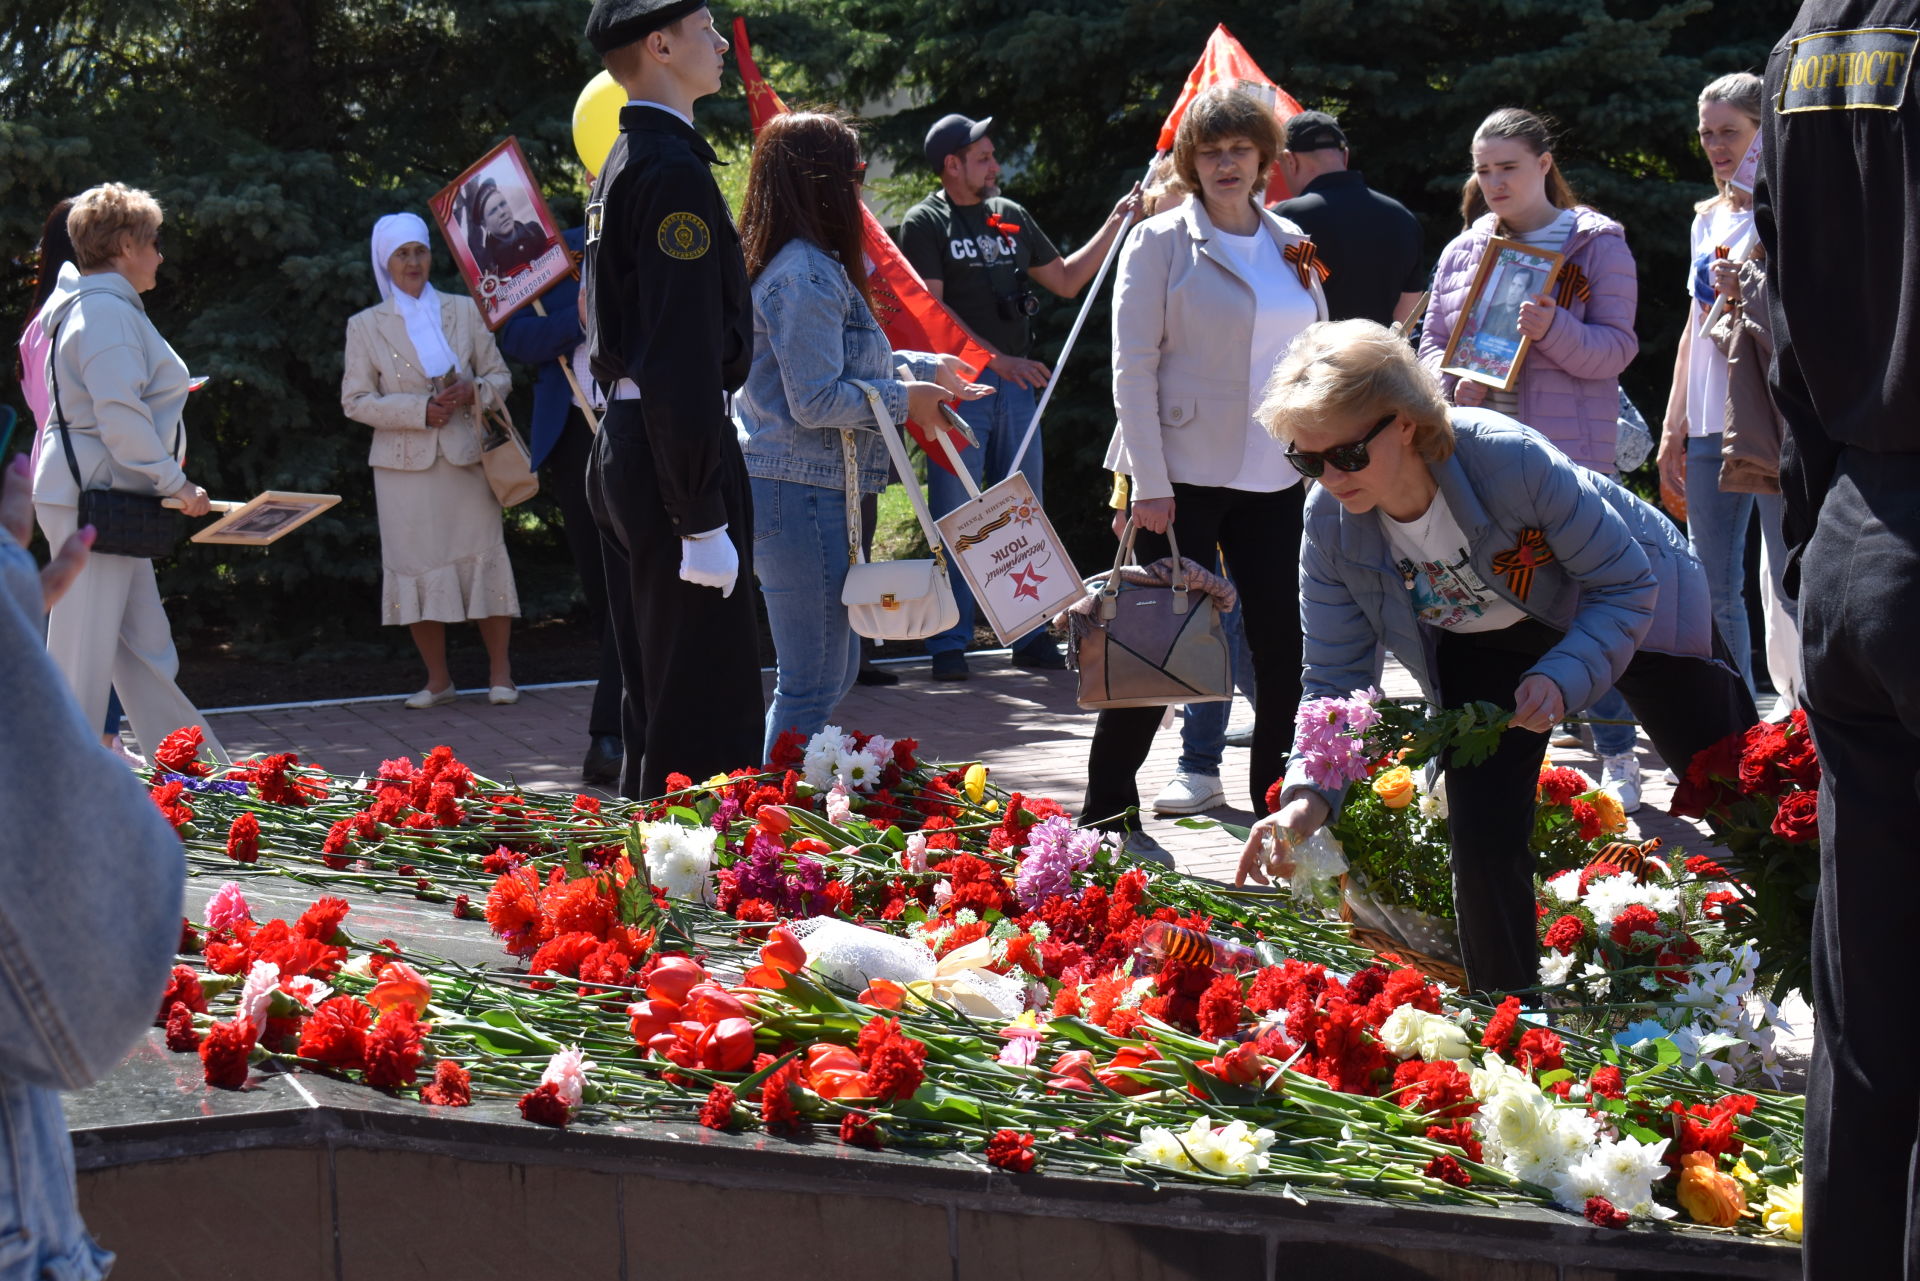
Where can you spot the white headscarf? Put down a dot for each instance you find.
(422, 314)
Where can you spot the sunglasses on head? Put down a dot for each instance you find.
(1351, 456)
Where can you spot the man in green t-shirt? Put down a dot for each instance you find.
(981, 254)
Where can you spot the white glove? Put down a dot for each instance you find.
(709, 560)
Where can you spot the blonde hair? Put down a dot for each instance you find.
(1746, 94)
(1164, 188)
(1221, 113)
(1355, 369)
(104, 217)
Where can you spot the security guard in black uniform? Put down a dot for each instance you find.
(1838, 208)
(670, 328)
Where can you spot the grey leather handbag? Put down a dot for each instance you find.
(1148, 646)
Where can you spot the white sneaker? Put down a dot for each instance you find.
(1189, 794)
(1143, 847)
(1621, 776)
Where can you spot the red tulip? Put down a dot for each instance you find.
(648, 1019)
(1238, 1066)
(400, 984)
(709, 1003)
(774, 818)
(1072, 1071)
(672, 977)
(726, 1046)
(1130, 1056)
(884, 994)
(782, 954)
(811, 845)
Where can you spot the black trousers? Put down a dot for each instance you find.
(1259, 534)
(1859, 619)
(564, 473)
(690, 658)
(1685, 705)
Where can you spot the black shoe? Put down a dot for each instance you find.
(1242, 737)
(950, 665)
(605, 755)
(875, 676)
(1041, 658)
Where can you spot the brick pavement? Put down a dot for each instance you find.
(1023, 724)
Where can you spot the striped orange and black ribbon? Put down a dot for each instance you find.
(1305, 257)
(1517, 564)
(1572, 283)
(1627, 857)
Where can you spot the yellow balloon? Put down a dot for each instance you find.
(596, 120)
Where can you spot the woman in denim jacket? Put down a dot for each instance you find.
(91, 880)
(814, 335)
(1497, 570)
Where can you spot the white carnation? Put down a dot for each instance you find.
(1607, 897)
(1555, 967)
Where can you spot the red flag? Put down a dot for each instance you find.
(914, 320)
(1226, 61)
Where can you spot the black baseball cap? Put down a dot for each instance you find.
(950, 133)
(1313, 131)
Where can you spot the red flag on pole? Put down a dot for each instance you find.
(1226, 61)
(914, 320)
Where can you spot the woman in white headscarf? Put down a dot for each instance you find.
(420, 366)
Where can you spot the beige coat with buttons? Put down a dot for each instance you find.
(383, 387)
(1182, 343)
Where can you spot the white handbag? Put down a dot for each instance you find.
(893, 599)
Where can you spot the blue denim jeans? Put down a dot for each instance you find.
(1717, 533)
(999, 420)
(800, 558)
(1203, 726)
(1612, 740)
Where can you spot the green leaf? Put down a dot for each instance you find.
(936, 1103)
(497, 1032)
(1554, 1078)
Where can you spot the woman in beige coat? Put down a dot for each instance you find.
(419, 367)
(120, 393)
(1210, 293)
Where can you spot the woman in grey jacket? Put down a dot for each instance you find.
(1495, 569)
(814, 335)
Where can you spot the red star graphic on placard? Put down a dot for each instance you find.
(1026, 582)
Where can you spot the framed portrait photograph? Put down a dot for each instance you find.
(265, 519)
(501, 234)
(1487, 345)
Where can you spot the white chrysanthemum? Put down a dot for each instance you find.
(858, 770)
(1566, 886)
(1410, 1033)
(680, 859)
(1607, 897)
(816, 766)
(1555, 967)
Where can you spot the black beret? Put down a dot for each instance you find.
(616, 23)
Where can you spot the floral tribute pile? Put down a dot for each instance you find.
(851, 939)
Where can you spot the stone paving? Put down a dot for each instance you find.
(1023, 724)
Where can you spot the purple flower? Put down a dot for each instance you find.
(1055, 851)
(1330, 738)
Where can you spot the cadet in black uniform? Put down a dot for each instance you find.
(670, 328)
(1838, 208)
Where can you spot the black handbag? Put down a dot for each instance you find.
(125, 523)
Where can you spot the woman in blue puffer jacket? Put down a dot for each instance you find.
(1495, 569)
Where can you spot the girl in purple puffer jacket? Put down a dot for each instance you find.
(1582, 330)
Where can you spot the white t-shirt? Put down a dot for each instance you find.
(1431, 554)
(1281, 309)
(1553, 236)
(1706, 363)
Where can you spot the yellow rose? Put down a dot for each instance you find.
(1613, 819)
(976, 782)
(1707, 1195)
(1394, 787)
(1782, 1214)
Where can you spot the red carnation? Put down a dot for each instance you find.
(171, 798)
(181, 1037)
(224, 1053)
(857, 1129)
(1220, 1008)
(1798, 819)
(1272, 797)
(179, 753)
(1541, 1050)
(322, 921)
(1565, 934)
(777, 1110)
(337, 1033)
(1500, 1028)
(1608, 1082)
(1705, 868)
(1460, 1135)
(1011, 1150)
(1714, 905)
(717, 1112)
(1586, 819)
(897, 1069)
(243, 839)
(1636, 919)
(394, 1049)
(1600, 1211)
(183, 986)
(544, 1106)
(1558, 784)
(1447, 1170)
(451, 1087)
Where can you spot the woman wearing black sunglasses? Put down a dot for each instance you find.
(1495, 568)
